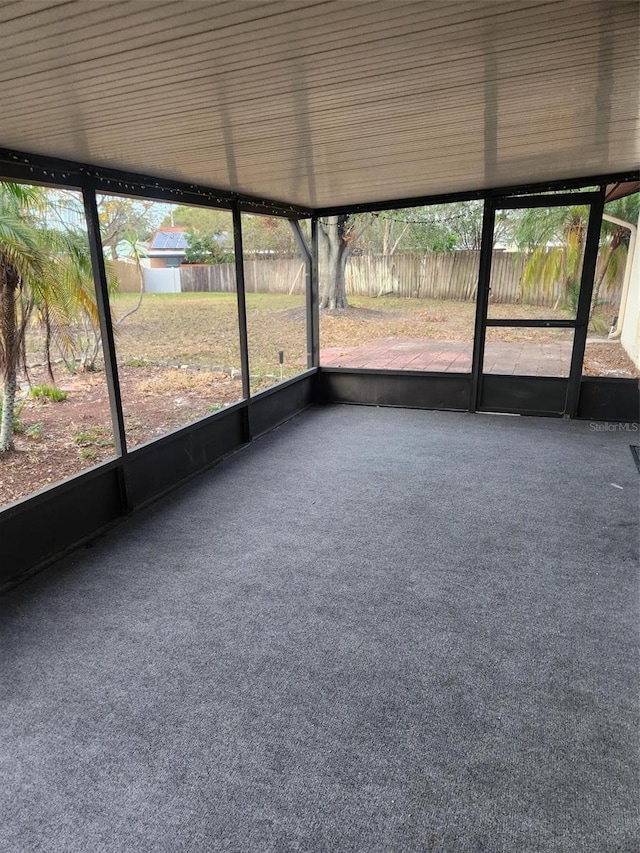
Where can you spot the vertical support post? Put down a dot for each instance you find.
(313, 301)
(584, 303)
(308, 265)
(106, 332)
(242, 311)
(482, 303)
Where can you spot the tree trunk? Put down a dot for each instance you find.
(9, 387)
(615, 242)
(140, 295)
(47, 344)
(386, 236)
(113, 245)
(10, 353)
(333, 251)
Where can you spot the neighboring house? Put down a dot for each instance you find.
(166, 254)
(168, 247)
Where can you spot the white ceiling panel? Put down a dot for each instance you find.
(326, 102)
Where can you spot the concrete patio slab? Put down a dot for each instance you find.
(552, 358)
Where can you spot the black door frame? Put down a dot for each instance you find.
(533, 394)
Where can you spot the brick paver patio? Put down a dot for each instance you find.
(551, 358)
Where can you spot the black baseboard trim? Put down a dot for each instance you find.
(609, 399)
(403, 388)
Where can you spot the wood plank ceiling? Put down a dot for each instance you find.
(326, 102)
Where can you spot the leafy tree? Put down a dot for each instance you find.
(267, 236)
(432, 228)
(391, 232)
(121, 216)
(204, 220)
(205, 249)
(45, 273)
(461, 222)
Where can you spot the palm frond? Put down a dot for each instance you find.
(51, 264)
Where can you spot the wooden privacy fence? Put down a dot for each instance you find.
(452, 275)
(445, 275)
(281, 276)
(127, 275)
(208, 278)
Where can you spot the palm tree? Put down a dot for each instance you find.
(614, 240)
(21, 261)
(555, 237)
(45, 274)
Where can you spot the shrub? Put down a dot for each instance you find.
(93, 436)
(34, 431)
(48, 392)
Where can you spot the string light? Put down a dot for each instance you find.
(80, 174)
(381, 215)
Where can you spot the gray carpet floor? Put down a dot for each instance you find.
(373, 630)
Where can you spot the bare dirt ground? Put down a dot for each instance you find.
(60, 439)
(607, 358)
(179, 360)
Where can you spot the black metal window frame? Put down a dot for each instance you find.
(88, 181)
(595, 202)
(89, 502)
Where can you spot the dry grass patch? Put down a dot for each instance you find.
(177, 381)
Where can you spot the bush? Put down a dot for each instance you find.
(92, 436)
(48, 392)
(34, 431)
